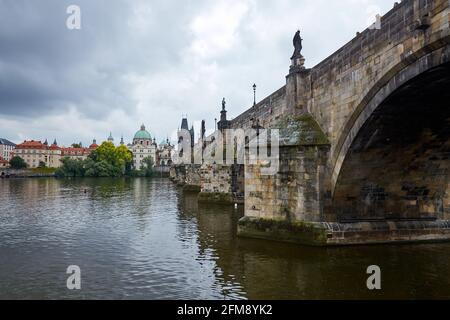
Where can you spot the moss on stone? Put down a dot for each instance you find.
(191, 188)
(300, 130)
(301, 232)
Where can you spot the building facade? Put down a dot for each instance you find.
(36, 153)
(6, 149)
(164, 153)
(75, 153)
(142, 147)
(4, 163)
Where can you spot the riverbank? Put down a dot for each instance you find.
(50, 172)
(28, 173)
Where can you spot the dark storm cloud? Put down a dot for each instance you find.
(46, 67)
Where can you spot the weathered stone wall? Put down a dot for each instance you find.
(216, 178)
(398, 165)
(178, 174)
(221, 183)
(343, 84)
(294, 193)
(342, 81)
(238, 181)
(193, 178)
(216, 183)
(266, 111)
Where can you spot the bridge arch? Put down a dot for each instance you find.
(394, 118)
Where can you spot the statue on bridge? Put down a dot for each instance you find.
(297, 41)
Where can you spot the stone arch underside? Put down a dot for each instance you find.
(397, 165)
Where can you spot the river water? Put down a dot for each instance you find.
(146, 239)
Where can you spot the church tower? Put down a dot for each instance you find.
(110, 138)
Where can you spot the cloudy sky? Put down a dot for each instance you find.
(148, 61)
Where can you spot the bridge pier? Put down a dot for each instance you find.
(177, 174)
(192, 178)
(288, 206)
(221, 183)
(340, 234)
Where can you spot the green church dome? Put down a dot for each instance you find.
(143, 134)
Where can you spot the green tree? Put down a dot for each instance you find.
(102, 169)
(76, 145)
(71, 168)
(42, 164)
(105, 152)
(17, 163)
(124, 157)
(105, 161)
(147, 168)
(118, 157)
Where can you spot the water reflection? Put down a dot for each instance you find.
(141, 238)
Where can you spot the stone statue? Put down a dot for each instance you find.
(297, 41)
(223, 104)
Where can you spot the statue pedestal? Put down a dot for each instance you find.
(297, 64)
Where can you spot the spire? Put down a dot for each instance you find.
(46, 142)
(121, 141)
(203, 130)
(110, 138)
(55, 143)
(192, 133)
(184, 124)
(254, 94)
(142, 127)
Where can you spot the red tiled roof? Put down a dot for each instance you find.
(54, 147)
(31, 145)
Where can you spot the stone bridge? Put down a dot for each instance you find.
(364, 152)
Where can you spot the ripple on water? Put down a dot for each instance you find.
(141, 238)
